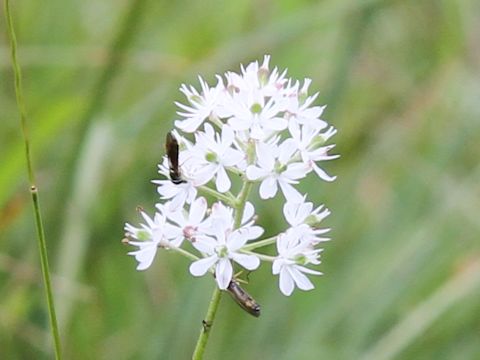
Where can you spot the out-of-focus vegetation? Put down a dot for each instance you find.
(402, 84)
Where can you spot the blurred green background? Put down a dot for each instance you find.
(402, 84)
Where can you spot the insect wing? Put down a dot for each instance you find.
(243, 298)
(171, 147)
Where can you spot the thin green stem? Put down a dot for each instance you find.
(229, 200)
(241, 201)
(239, 205)
(236, 171)
(184, 253)
(207, 325)
(42, 245)
(260, 256)
(33, 189)
(260, 243)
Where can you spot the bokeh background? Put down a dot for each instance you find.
(402, 84)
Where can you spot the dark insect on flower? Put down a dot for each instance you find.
(243, 298)
(171, 146)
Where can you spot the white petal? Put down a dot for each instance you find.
(308, 271)
(290, 212)
(171, 231)
(200, 267)
(177, 217)
(205, 174)
(189, 125)
(223, 181)
(304, 210)
(178, 201)
(277, 266)
(236, 240)
(249, 262)
(277, 124)
(290, 193)
(205, 244)
(255, 173)
(294, 130)
(322, 174)
(251, 232)
(286, 150)
(227, 135)
(191, 195)
(238, 123)
(296, 171)
(223, 273)
(286, 282)
(248, 212)
(268, 188)
(166, 189)
(266, 155)
(197, 211)
(209, 131)
(300, 279)
(256, 132)
(232, 157)
(145, 256)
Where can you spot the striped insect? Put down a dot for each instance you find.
(243, 298)
(171, 147)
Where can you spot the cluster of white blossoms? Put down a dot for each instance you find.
(262, 128)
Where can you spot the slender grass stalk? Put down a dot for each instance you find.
(31, 177)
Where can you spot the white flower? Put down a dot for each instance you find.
(151, 236)
(293, 254)
(274, 168)
(187, 225)
(184, 192)
(298, 106)
(255, 77)
(305, 221)
(253, 112)
(297, 213)
(178, 193)
(223, 246)
(203, 104)
(306, 140)
(224, 214)
(213, 153)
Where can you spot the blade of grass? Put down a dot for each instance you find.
(42, 246)
(419, 319)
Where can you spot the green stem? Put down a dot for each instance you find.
(229, 200)
(42, 246)
(260, 256)
(239, 205)
(260, 243)
(184, 253)
(207, 325)
(241, 201)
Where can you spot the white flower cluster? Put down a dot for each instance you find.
(261, 127)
